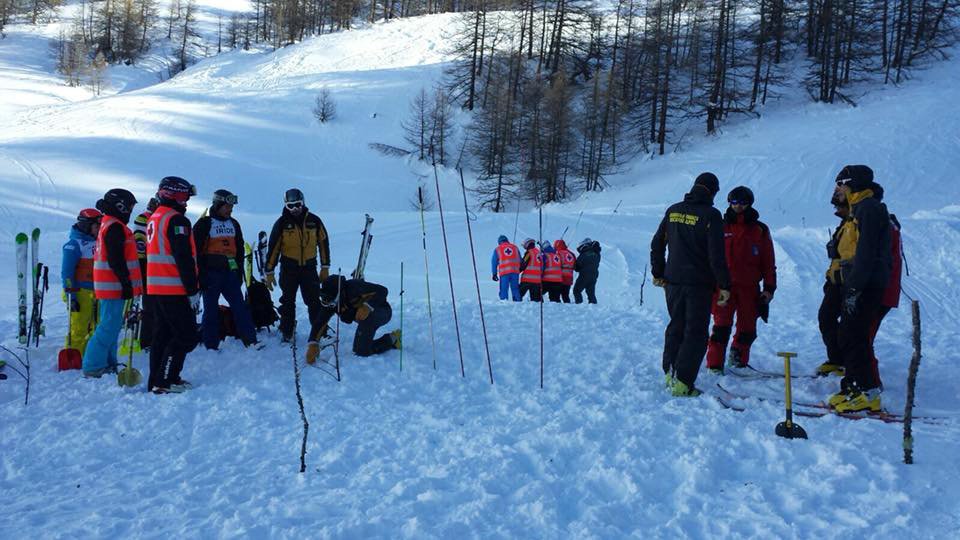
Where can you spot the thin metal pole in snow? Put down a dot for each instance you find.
(336, 345)
(446, 250)
(426, 274)
(540, 215)
(401, 315)
(476, 276)
(516, 221)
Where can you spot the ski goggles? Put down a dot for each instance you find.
(844, 181)
(295, 205)
(737, 202)
(226, 199)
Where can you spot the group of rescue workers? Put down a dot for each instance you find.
(175, 265)
(724, 265)
(546, 268)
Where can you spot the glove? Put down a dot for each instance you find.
(766, 297)
(659, 282)
(723, 296)
(496, 278)
(195, 302)
(269, 280)
(363, 312)
(850, 302)
(126, 290)
(324, 272)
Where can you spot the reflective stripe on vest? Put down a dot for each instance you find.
(163, 276)
(508, 259)
(567, 260)
(222, 239)
(531, 274)
(553, 271)
(106, 284)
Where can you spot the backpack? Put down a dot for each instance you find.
(261, 305)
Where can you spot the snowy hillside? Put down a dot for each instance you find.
(601, 452)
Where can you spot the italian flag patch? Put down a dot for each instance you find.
(179, 230)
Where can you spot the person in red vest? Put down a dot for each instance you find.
(116, 278)
(552, 272)
(172, 281)
(505, 266)
(567, 262)
(750, 260)
(531, 268)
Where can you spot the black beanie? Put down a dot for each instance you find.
(709, 181)
(856, 177)
(741, 194)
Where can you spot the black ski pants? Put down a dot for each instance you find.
(856, 340)
(555, 291)
(146, 321)
(533, 289)
(829, 319)
(175, 334)
(685, 340)
(363, 342)
(585, 283)
(307, 280)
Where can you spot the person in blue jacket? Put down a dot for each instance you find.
(76, 276)
(505, 267)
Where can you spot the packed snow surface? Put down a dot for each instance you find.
(601, 451)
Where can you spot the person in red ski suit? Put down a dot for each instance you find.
(751, 261)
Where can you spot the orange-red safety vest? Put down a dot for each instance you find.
(531, 274)
(106, 284)
(567, 260)
(553, 271)
(163, 277)
(508, 259)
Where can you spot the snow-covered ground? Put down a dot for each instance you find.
(601, 451)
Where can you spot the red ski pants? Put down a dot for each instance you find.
(744, 302)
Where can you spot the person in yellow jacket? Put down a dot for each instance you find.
(297, 240)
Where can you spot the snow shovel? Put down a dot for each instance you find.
(788, 429)
(129, 376)
(69, 358)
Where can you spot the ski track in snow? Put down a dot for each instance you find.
(600, 452)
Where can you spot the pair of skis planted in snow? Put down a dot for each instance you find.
(32, 329)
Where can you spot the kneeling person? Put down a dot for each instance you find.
(354, 300)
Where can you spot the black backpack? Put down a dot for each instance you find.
(261, 305)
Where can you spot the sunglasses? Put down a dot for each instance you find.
(844, 181)
(293, 205)
(738, 203)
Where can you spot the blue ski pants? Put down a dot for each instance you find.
(227, 283)
(101, 351)
(510, 282)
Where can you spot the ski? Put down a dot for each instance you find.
(754, 373)
(366, 239)
(247, 263)
(261, 251)
(22, 240)
(823, 409)
(34, 259)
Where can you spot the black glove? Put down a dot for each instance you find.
(496, 278)
(126, 290)
(850, 301)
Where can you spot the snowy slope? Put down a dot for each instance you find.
(600, 452)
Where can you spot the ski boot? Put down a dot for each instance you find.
(313, 351)
(668, 380)
(718, 371)
(825, 369)
(680, 389)
(180, 386)
(735, 360)
(868, 401)
(397, 339)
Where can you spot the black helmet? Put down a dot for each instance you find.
(176, 189)
(740, 195)
(152, 204)
(118, 203)
(293, 199)
(222, 196)
(330, 290)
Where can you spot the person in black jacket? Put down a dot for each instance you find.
(864, 274)
(296, 240)
(588, 270)
(692, 230)
(354, 300)
(219, 241)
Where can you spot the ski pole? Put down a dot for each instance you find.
(540, 216)
(516, 222)
(446, 250)
(401, 315)
(476, 276)
(426, 275)
(336, 345)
